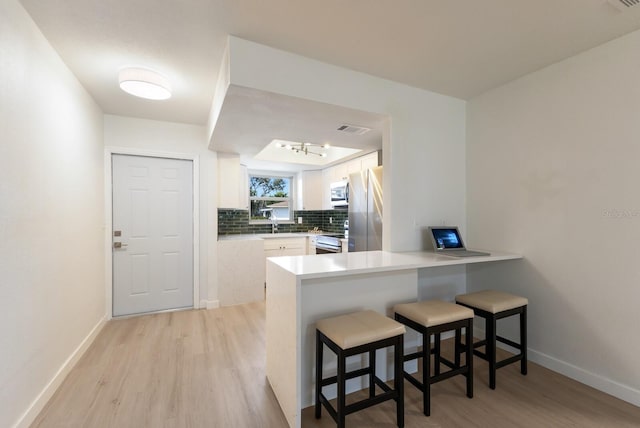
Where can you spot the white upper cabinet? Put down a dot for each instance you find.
(327, 179)
(233, 190)
(354, 165)
(369, 161)
(341, 172)
(311, 194)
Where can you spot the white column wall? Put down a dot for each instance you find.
(51, 218)
(165, 137)
(424, 153)
(552, 173)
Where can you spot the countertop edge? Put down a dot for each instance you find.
(414, 260)
(263, 236)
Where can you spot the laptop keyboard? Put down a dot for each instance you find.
(465, 253)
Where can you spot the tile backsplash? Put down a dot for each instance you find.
(233, 222)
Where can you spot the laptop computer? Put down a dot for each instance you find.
(446, 240)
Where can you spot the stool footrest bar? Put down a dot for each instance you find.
(480, 343)
(350, 375)
(381, 384)
(368, 402)
(480, 354)
(508, 342)
(508, 361)
(415, 382)
(448, 374)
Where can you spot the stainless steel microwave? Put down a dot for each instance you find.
(340, 193)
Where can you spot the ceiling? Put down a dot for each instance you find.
(458, 48)
(250, 119)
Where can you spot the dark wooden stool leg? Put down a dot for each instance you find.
(319, 351)
(372, 373)
(426, 373)
(436, 355)
(457, 344)
(523, 340)
(469, 356)
(491, 350)
(341, 400)
(398, 380)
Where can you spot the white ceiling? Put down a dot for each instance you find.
(250, 119)
(459, 48)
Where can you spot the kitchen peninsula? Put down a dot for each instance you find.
(303, 289)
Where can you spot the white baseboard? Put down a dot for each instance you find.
(209, 304)
(594, 380)
(41, 400)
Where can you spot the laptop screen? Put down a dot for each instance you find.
(445, 238)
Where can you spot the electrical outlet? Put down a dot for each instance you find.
(299, 220)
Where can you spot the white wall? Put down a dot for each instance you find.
(552, 173)
(424, 153)
(155, 137)
(51, 218)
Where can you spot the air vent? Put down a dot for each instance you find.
(356, 130)
(624, 5)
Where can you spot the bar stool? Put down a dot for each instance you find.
(494, 305)
(431, 318)
(352, 334)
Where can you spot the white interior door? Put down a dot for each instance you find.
(152, 234)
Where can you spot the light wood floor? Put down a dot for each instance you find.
(207, 369)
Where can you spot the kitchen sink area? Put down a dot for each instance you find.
(243, 248)
(236, 222)
(265, 224)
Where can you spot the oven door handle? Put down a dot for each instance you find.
(327, 250)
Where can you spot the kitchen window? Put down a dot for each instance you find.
(270, 198)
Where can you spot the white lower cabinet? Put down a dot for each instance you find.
(242, 265)
(274, 247)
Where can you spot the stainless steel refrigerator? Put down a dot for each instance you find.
(365, 210)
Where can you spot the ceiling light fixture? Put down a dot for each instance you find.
(305, 148)
(144, 83)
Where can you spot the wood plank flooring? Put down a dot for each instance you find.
(207, 369)
(177, 369)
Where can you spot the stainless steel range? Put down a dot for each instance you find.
(326, 244)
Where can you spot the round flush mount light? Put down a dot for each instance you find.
(144, 83)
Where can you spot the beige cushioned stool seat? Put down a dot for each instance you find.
(492, 301)
(430, 313)
(359, 328)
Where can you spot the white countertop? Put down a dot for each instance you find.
(254, 236)
(323, 265)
